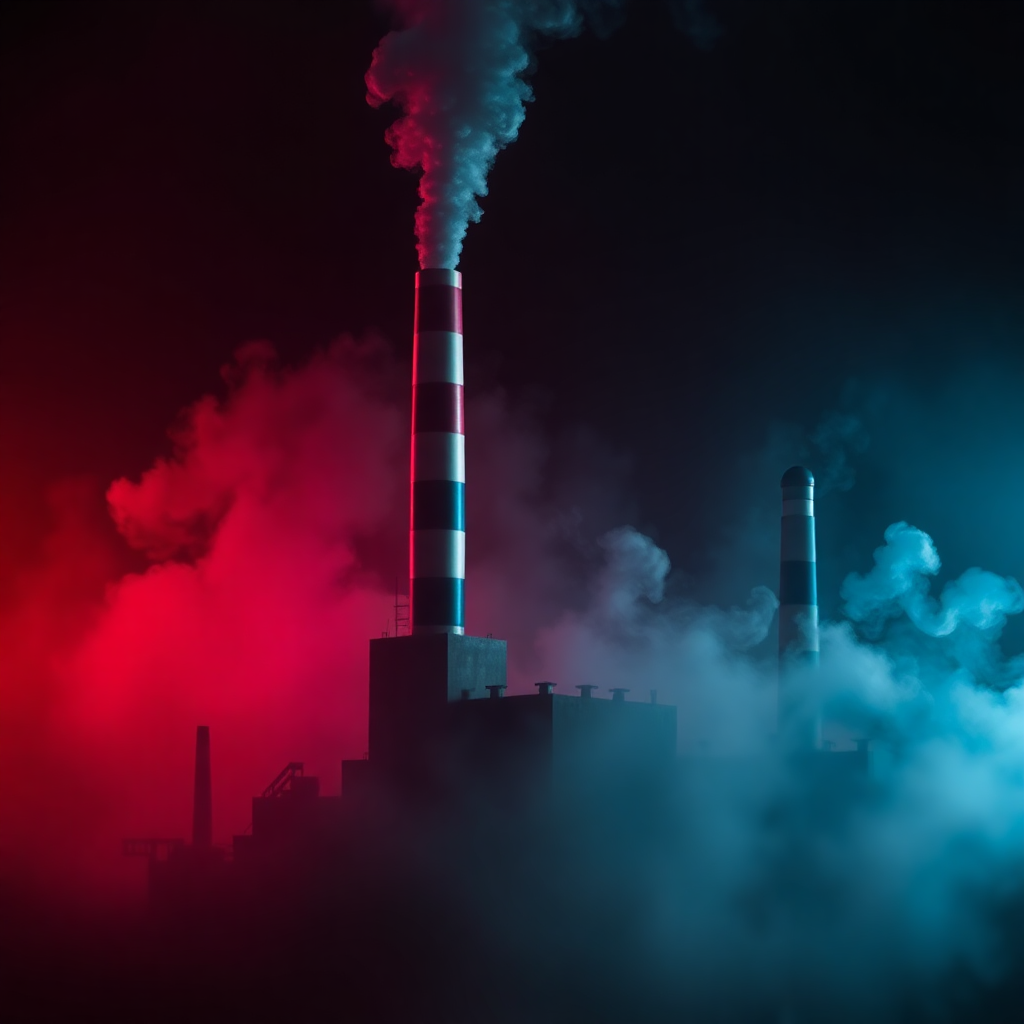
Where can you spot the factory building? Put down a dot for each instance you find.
(461, 778)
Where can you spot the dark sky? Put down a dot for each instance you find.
(700, 252)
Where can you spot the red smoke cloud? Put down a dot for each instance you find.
(265, 531)
(267, 548)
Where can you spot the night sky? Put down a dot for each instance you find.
(697, 238)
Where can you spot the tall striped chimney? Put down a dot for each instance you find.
(437, 539)
(202, 795)
(798, 603)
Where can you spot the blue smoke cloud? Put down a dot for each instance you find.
(862, 904)
(898, 584)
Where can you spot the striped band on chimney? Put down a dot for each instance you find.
(437, 538)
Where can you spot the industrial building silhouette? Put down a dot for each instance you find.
(464, 788)
(462, 785)
(441, 732)
(473, 808)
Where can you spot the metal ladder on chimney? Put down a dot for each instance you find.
(401, 614)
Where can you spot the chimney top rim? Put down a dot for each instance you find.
(797, 476)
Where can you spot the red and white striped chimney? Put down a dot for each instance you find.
(437, 539)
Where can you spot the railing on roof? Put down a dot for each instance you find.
(154, 849)
(284, 779)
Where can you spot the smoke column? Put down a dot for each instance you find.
(456, 69)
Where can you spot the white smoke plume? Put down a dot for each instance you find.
(457, 69)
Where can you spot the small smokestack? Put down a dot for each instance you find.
(437, 540)
(798, 586)
(798, 593)
(202, 797)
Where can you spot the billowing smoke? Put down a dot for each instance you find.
(898, 584)
(261, 578)
(883, 900)
(458, 68)
(271, 536)
(690, 655)
(269, 541)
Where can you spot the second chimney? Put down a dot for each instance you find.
(202, 797)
